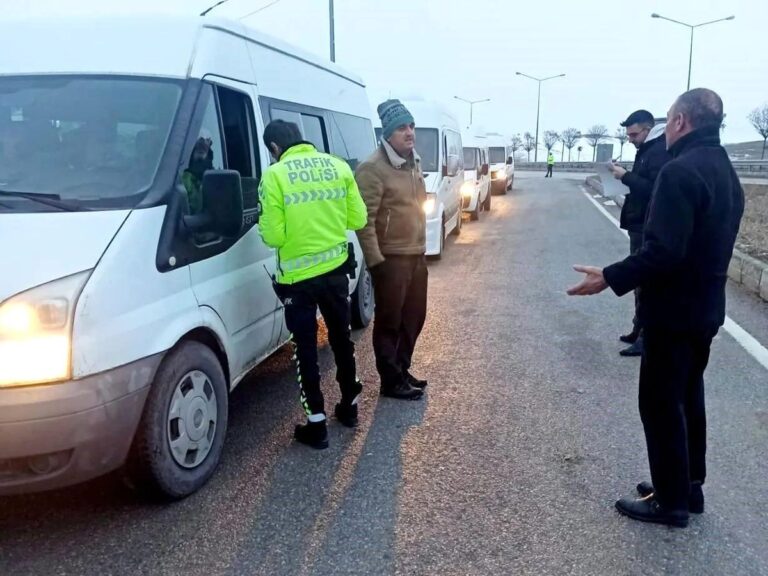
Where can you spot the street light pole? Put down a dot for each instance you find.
(333, 31)
(471, 105)
(538, 108)
(692, 28)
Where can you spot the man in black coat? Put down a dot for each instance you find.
(652, 154)
(693, 219)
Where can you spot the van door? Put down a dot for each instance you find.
(235, 283)
(450, 186)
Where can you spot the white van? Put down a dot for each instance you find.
(438, 143)
(502, 162)
(127, 314)
(476, 190)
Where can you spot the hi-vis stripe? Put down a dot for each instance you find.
(315, 259)
(315, 195)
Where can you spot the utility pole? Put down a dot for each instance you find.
(538, 107)
(471, 105)
(333, 31)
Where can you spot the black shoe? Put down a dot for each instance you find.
(415, 382)
(695, 500)
(635, 350)
(630, 338)
(401, 391)
(346, 414)
(649, 510)
(313, 434)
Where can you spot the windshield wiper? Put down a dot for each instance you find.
(53, 200)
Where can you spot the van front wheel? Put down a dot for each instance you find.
(362, 299)
(181, 434)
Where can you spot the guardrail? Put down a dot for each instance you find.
(748, 168)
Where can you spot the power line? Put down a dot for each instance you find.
(204, 12)
(260, 9)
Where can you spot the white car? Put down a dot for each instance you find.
(476, 190)
(127, 317)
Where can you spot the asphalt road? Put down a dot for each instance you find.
(510, 466)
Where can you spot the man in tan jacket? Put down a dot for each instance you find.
(394, 243)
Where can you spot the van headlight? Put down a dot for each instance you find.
(36, 332)
(430, 204)
(468, 189)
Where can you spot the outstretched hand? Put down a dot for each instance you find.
(593, 283)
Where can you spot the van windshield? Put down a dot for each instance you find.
(85, 142)
(497, 155)
(469, 158)
(427, 147)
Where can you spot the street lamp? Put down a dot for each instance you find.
(692, 27)
(471, 105)
(538, 108)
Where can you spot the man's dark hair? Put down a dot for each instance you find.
(642, 117)
(702, 107)
(284, 134)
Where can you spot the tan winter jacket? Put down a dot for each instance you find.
(394, 192)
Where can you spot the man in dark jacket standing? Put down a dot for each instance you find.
(693, 219)
(394, 243)
(651, 155)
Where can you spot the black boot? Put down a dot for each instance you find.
(695, 499)
(632, 337)
(313, 434)
(635, 350)
(401, 390)
(415, 382)
(346, 414)
(649, 510)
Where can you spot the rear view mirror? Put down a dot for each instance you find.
(222, 212)
(485, 169)
(453, 166)
(510, 161)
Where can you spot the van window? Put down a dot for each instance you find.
(351, 138)
(236, 115)
(497, 154)
(427, 148)
(312, 127)
(470, 158)
(92, 142)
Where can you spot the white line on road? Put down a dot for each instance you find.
(744, 338)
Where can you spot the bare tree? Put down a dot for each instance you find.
(515, 143)
(621, 136)
(551, 138)
(570, 137)
(596, 135)
(759, 119)
(529, 143)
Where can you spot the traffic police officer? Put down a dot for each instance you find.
(309, 200)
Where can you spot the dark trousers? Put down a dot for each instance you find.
(400, 288)
(330, 293)
(549, 171)
(635, 243)
(672, 410)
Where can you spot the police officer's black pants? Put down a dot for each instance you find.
(400, 288)
(635, 243)
(330, 293)
(549, 171)
(672, 411)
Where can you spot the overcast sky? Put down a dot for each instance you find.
(615, 56)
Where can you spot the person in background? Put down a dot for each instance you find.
(550, 164)
(309, 200)
(200, 161)
(652, 154)
(693, 219)
(394, 243)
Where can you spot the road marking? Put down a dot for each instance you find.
(744, 338)
(610, 203)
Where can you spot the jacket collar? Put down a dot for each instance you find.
(394, 158)
(299, 148)
(696, 139)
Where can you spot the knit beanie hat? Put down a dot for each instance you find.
(393, 115)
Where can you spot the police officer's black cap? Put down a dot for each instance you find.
(639, 117)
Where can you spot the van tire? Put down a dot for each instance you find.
(152, 468)
(487, 202)
(363, 301)
(439, 255)
(474, 215)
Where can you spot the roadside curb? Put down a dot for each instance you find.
(743, 269)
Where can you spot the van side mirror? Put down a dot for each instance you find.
(485, 169)
(510, 161)
(222, 212)
(452, 168)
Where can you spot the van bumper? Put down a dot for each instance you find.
(434, 226)
(60, 434)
